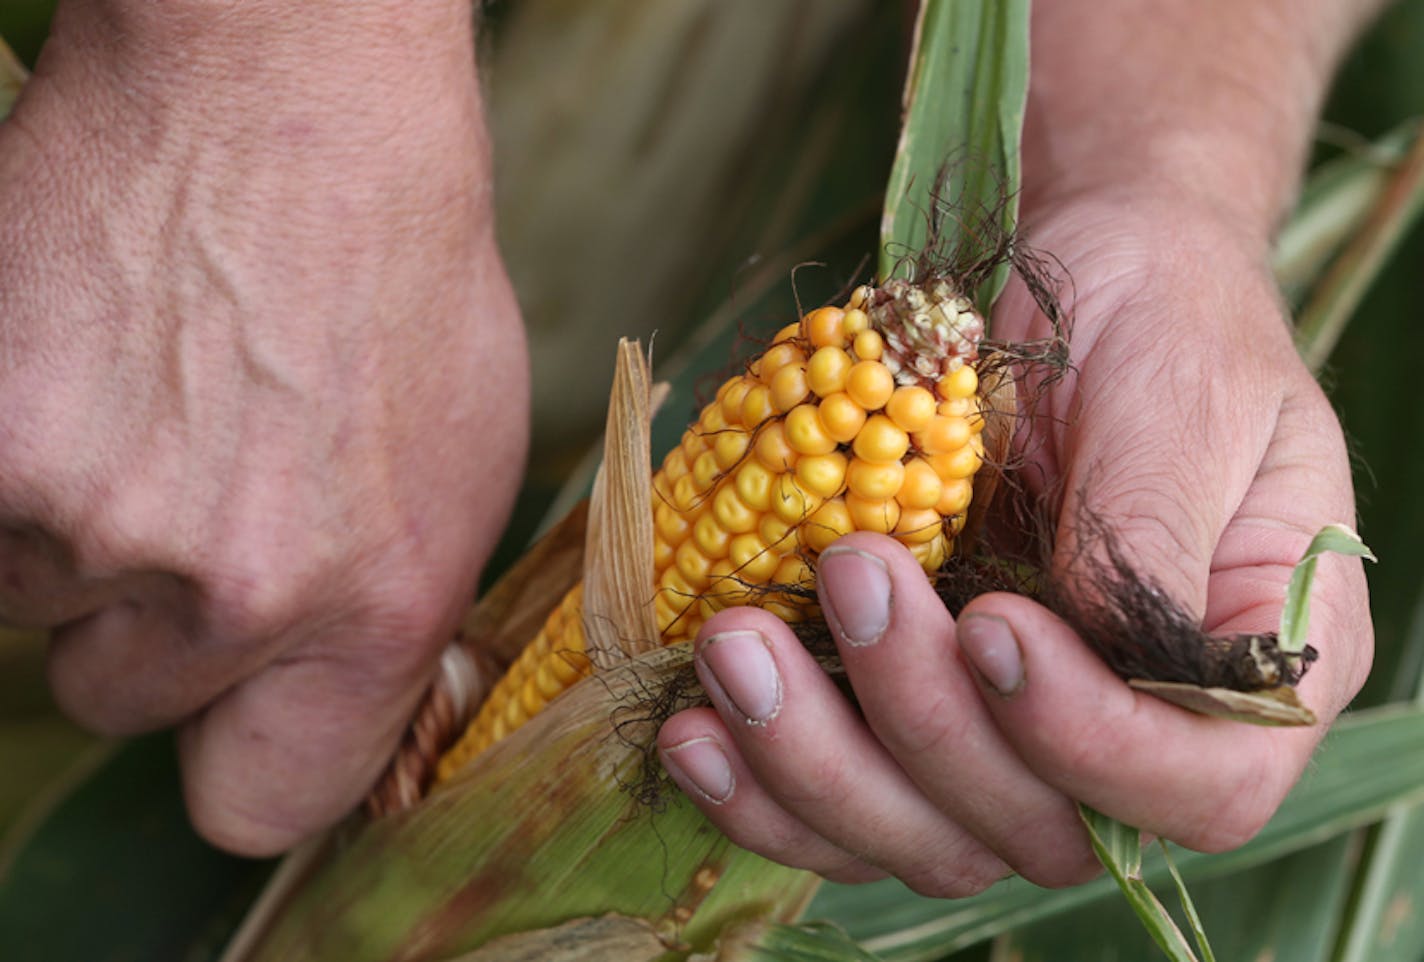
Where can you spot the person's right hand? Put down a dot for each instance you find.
(263, 381)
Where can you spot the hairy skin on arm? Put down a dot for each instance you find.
(264, 383)
(1163, 142)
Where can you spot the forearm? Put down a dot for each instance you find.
(1213, 99)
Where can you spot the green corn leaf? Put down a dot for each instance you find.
(1188, 906)
(1295, 616)
(964, 107)
(1368, 763)
(1119, 848)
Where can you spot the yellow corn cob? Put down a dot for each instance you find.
(862, 417)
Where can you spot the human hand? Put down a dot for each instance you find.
(264, 384)
(1192, 432)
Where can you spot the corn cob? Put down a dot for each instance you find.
(861, 417)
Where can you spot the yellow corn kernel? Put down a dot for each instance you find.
(822, 474)
(685, 494)
(805, 432)
(710, 422)
(870, 384)
(776, 358)
(731, 402)
(875, 481)
(773, 449)
(730, 446)
(958, 464)
(706, 470)
(776, 533)
(757, 406)
(789, 387)
(793, 570)
(873, 514)
(822, 327)
(960, 384)
(855, 321)
(827, 370)
(868, 346)
(671, 525)
(955, 496)
(694, 566)
(751, 559)
(731, 512)
(841, 416)
(911, 407)
(943, 434)
(881, 440)
(917, 525)
(792, 503)
(754, 482)
(712, 539)
(921, 487)
(827, 523)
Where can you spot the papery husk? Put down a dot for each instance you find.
(1273, 707)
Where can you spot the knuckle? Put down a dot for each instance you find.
(933, 725)
(1252, 797)
(955, 878)
(1056, 870)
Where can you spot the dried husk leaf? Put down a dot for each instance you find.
(1272, 706)
(618, 567)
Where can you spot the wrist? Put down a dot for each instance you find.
(1212, 102)
(225, 54)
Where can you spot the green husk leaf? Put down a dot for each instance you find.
(1188, 906)
(539, 830)
(1119, 848)
(1295, 616)
(964, 107)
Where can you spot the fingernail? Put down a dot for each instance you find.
(703, 767)
(855, 594)
(993, 650)
(742, 667)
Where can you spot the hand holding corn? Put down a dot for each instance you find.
(263, 383)
(1190, 428)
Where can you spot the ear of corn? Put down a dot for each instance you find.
(863, 417)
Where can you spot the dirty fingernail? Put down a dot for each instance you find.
(742, 666)
(993, 650)
(703, 767)
(855, 594)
